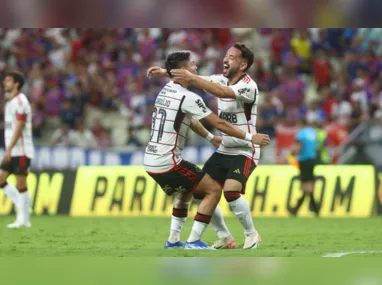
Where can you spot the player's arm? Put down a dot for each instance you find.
(200, 82)
(157, 71)
(296, 148)
(20, 125)
(198, 128)
(194, 104)
(227, 128)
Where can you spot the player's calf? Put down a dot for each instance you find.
(212, 194)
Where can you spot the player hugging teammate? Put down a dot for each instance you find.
(232, 164)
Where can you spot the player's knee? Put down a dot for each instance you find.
(198, 196)
(3, 179)
(231, 196)
(233, 185)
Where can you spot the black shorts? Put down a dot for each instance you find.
(18, 165)
(182, 178)
(222, 167)
(307, 170)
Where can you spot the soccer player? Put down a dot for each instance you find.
(306, 149)
(235, 159)
(174, 110)
(19, 147)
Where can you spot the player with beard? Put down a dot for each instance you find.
(176, 110)
(235, 160)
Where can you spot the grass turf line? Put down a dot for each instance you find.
(145, 237)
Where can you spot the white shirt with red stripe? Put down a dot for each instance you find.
(19, 109)
(173, 110)
(240, 112)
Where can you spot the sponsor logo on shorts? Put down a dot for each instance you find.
(181, 189)
(167, 189)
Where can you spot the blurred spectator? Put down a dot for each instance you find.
(292, 93)
(278, 42)
(104, 141)
(302, 46)
(359, 95)
(69, 114)
(82, 136)
(341, 111)
(356, 115)
(98, 75)
(327, 100)
(321, 69)
(315, 113)
(321, 42)
(37, 119)
(61, 137)
(268, 116)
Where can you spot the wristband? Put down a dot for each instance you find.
(248, 137)
(209, 137)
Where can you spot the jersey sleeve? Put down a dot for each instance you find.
(245, 92)
(193, 104)
(21, 111)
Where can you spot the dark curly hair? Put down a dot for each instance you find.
(176, 59)
(17, 76)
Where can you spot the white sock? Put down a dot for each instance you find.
(11, 192)
(217, 222)
(25, 203)
(241, 209)
(175, 229)
(197, 231)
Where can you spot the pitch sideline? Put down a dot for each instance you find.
(341, 254)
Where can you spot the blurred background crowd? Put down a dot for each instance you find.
(88, 87)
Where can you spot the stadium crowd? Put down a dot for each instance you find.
(88, 87)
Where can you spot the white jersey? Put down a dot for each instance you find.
(15, 110)
(173, 110)
(240, 112)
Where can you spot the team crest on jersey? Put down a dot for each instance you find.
(201, 105)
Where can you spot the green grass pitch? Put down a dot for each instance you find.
(145, 237)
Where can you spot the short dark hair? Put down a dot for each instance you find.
(246, 53)
(17, 76)
(176, 59)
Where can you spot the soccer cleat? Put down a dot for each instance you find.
(198, 245)
(225, 243)
(177, 244)
(18, 224)
(252, 241)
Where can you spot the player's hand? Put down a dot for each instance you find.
(156, 71)
(216, 141)
(182, 75)
(261, 139)
(7, 156)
